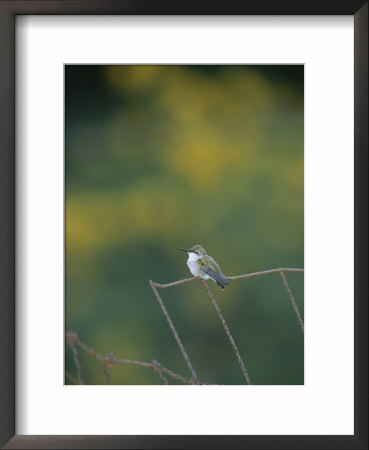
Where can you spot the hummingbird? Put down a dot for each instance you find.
(202, 265)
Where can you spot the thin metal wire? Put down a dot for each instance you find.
(228, 333)
(77, 362)
(111, 361)
(174, 331)
(292, 300)
(281, 271)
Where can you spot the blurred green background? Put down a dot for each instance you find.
(159, 157)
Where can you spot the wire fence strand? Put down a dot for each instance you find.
(76, 360)
(228, 333)
(174, 331)
(292, 300)
(236, 277)
(70, 378)
(155, 286)
(111, 361)
(106, 374)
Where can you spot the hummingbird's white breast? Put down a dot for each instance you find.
(194, 266)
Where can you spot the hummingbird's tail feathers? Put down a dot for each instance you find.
(225, 280)
(219, 278)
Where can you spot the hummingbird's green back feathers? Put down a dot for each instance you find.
(211, 268)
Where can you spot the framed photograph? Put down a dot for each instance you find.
(183, 224)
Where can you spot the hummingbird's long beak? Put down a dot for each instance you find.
(184, 249)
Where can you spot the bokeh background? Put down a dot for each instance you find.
(159, 157)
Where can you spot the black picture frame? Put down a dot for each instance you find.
(8, 12)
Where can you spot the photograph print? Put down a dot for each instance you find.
(184, 224)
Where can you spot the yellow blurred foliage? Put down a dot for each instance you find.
(100, 220)
(130, 79)
(204, 160)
